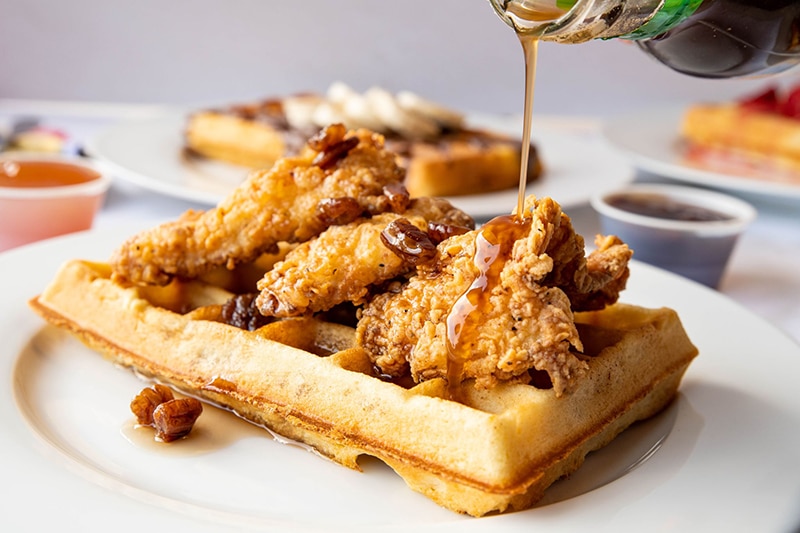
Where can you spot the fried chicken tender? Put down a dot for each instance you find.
(592, 282)
(271, 206)
(344, 262)
(512, 320)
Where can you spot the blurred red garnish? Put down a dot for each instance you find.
(765, 102)
(771, 101)
(791, 105)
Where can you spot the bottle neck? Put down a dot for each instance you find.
(577, 21)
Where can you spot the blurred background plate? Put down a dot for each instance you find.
(652, 141)
(149, 153)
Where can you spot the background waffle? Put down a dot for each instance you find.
(305, 379)
(745, 139)
(458, 162)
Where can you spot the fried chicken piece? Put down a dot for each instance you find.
(484, 308)
(283, 203)
(344, 262)
(596, 280)
(592, 282)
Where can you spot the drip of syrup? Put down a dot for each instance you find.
(493, 247)
(530, 46)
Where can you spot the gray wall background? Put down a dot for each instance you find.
(203, 52)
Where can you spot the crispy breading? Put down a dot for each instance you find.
(349, 183)
(344, 262)
(523, 324)
(279, 204)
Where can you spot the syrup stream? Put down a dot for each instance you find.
(530, 46)
(493, 246)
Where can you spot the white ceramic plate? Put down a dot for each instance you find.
(652, 141)
(724, 456)
(149, 153)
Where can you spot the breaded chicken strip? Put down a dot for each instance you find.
(282, 203)
(344, 262)
(484, 308)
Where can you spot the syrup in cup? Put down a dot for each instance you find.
(685, 230)
(43, 196)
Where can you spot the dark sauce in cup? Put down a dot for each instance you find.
(659, 206)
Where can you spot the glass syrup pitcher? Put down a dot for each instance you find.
(704, 38)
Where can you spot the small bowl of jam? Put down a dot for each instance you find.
(685, 230)
(43, 196)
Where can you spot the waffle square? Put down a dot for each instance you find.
(305, 378)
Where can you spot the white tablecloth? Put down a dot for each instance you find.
(763, 275)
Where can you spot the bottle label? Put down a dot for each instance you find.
(672, 13)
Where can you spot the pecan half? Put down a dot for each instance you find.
(327, 137)
(339, 211)
(174, 419)
(440, 231)
(146, 402)
(242, 312)
(331, 155)
(398, 196)
(408, 241)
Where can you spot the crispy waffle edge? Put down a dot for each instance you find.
(498, 453)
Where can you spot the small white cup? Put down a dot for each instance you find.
(29, 214)
(696, 249)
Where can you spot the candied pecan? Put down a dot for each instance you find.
(440, 231)
(398, 197)
(241, 312)
(146, 402)
(408, 241)
(339, 211)
(332, 154)
(175, 419)
(327, 137)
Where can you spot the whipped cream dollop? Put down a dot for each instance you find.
(377, 109)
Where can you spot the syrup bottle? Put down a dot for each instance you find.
(704, 38)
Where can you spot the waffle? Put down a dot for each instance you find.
(495, 450)
(456, 161)
(748, 137)
(254, 135)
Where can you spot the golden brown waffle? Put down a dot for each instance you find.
(234, 138)
(304, 378)
(747, 139)
(457, 162)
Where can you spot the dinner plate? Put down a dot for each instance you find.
(652, 141)
(149, 152)
(723, 456)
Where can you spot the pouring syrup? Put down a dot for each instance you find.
(493, 246)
